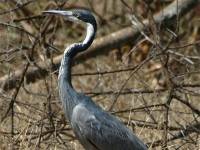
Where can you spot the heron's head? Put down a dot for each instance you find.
(74, 15)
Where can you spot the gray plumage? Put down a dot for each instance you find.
(95, 128)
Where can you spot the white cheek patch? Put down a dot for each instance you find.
(72, 18)
(75, 20)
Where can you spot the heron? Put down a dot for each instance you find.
(95, 128)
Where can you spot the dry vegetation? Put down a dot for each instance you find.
(152, 83)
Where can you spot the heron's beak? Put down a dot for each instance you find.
(58, 13)
(69, 15)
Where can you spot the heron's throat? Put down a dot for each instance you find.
(76, 48)
(91, 30)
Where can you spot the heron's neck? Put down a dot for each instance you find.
(91, 30)
(71, 51)
(66, 90)
(65, 71)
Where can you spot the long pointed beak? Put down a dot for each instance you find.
(58, 12)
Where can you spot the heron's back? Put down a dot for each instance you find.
(96, 129)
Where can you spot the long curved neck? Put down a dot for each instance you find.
(71, 51)
(66, 92)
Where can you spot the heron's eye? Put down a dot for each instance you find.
(77, 15)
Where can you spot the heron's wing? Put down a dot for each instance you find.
(103, 130)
